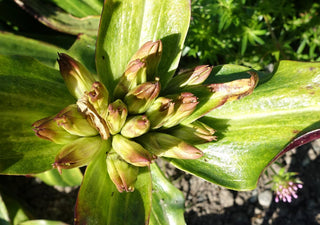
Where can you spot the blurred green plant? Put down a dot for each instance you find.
(253, 33)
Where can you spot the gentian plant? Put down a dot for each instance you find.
(117, 104)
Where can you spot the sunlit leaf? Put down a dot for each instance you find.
(70, 177)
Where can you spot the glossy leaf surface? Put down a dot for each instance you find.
(167, 200)
(29, 91)
(99, 201)
(70, 177)
(127, 25)
(253, 130)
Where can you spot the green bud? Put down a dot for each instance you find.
(78, 153)
(122, 174)
(135, 126)
(141, 97)
(150, 52)
(99, 98)
(77, 78)
(134, 75)
(48, 129)
(185, 104)
(131, 151)
(165, 145)
(189, 77)
(75, 122)
(194, 133)
(116, 117)
(160, 111)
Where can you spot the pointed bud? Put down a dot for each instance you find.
(131, 151)
(150, 52)
(185, 104)
(141, 97)
(48, 129)
(78, 153)
(189, 77)
(135, 126)
(77, 78)
(135, 74)
(99, 98)
(160, 111)
(116, 117)
(166, 145)
(74, 122)
(194, 133)
(122, 174)
(93, 116)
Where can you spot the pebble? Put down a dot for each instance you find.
(226, 198)
(265, 198)
(239, 200)
(312, 154)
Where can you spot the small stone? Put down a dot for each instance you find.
(312, 154)
(239, 200)
(226, 198)
(265, 198)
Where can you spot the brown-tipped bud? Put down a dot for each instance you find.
(77, 78)
(185, 104)
(150, 52)
(122, 174)
(116, 117)
(141, 97)
(78, 153)
(99, 98)
(135, 126)
(135, 74)
(194, 133)
(93, 116)
(160, 111)
(131, 151)
(166, 145)
(189, 77)
(75, 122)
(48, 129)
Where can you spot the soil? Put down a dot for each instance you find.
(206, 203)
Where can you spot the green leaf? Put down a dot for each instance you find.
(11, 44)
(42, 222)
(4, 215)
(99, 201)
(70, 177)
(127, 25)
(81, 8)
(15, 210)
(57, 19)
(29, 91)
(167, 200)
(252, 131)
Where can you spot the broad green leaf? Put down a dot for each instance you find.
(80, 8)
(11, 44)
(127, 25)
(167, 200)
(253, 130)
(99, 201)
(42, 222)
(70, 177)
(57, 19)
(4, 215)
(29, 91)
(15, 211)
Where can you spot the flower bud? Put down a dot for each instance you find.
(122, 174)
(135, 126)
(74, 122)
(185, 104)
(167, 145)
(141, 97)
(134, 75)
(78, 153)
(189, 77)
(150, 52)
(131, 151)
(116, 117)
(160, 111)
(99, 98)
(77, 78)
(194, 133)
(48, 129)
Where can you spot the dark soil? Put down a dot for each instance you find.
(206, 203)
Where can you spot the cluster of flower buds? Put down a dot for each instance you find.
(140, 124)
(286, 185)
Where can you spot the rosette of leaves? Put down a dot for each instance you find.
(136, 54)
